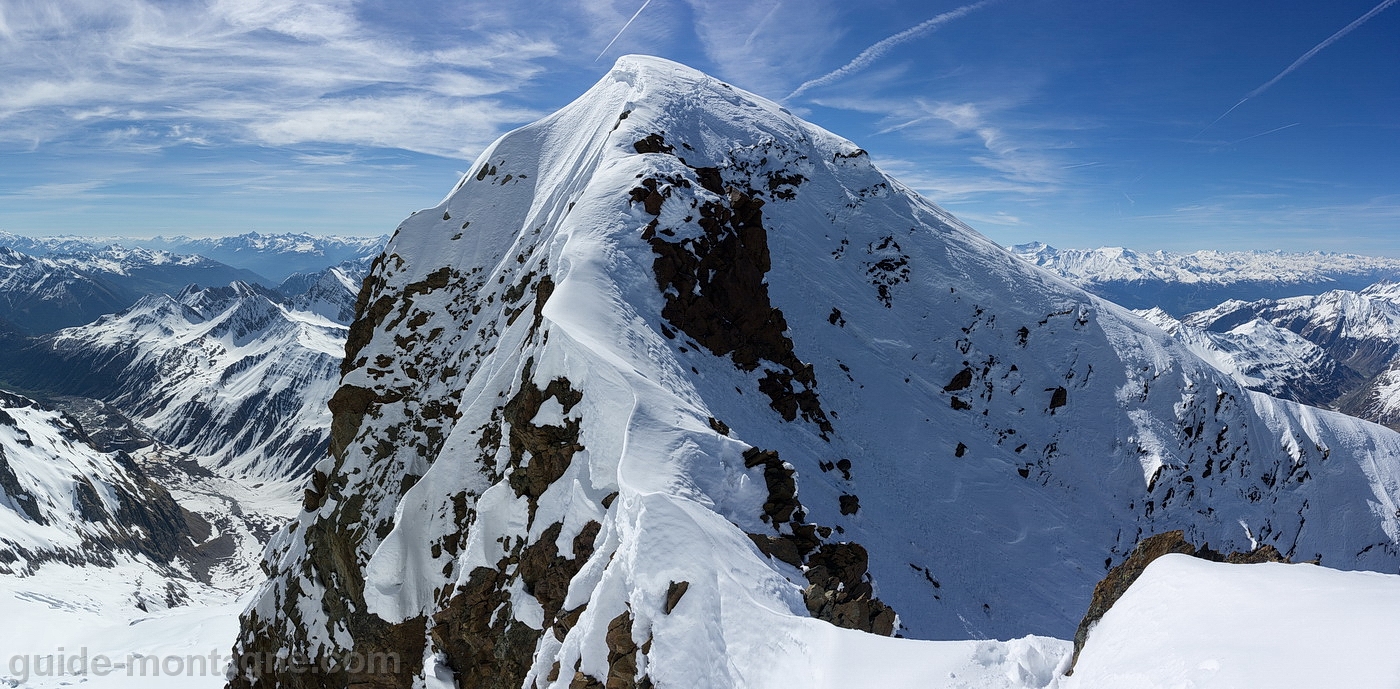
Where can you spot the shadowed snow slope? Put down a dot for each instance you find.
(554, 444)
(1187, 622)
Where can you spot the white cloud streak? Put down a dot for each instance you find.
(878, 50)
(1305, 57)
(622, 30)
(1320, 46)
(760, 44)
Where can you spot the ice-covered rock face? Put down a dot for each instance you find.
(672, 372)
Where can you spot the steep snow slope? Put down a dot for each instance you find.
(1191, 623)
(62, 500)
(232, 374)
(64, 289)
(1185, 282)
(672, 372)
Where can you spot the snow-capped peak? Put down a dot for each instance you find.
(672, 379)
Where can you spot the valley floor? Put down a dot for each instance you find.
(135, 625)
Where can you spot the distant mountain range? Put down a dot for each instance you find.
(1339, 349)
(1180, 283)
(40, 294)
(240, 374)
(272, 257)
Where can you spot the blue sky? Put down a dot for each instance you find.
(1075, 122)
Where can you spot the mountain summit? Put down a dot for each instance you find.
(674, 386)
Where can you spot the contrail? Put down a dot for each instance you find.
(1318, 48)
(877, 50)
(1306, 56)
(1271, 131)
(634, 18)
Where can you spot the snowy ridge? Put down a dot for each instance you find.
(565, 379)
(1183, 282)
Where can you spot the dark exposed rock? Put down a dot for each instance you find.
(9, 484)
(840, 590)
(850, 504)
(622, 653)
(550, 448)
(546, 573)
(782, 487)
(1059, 397)
(961, 381)
(674, 593)
(487, 649)
(717, 294)
(653, 143)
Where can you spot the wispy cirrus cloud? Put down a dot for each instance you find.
(253, 71)
(877, 50)
(979, 153)
(761, 44)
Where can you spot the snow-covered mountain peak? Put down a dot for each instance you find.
(62, 500)
(672, 379)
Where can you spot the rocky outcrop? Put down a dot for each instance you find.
(714, 284)
(1116, 583)
(839, 586)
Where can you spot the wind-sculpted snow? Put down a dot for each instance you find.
(673, 379)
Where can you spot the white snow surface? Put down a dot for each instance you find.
(1196, 624)
(986, 517)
